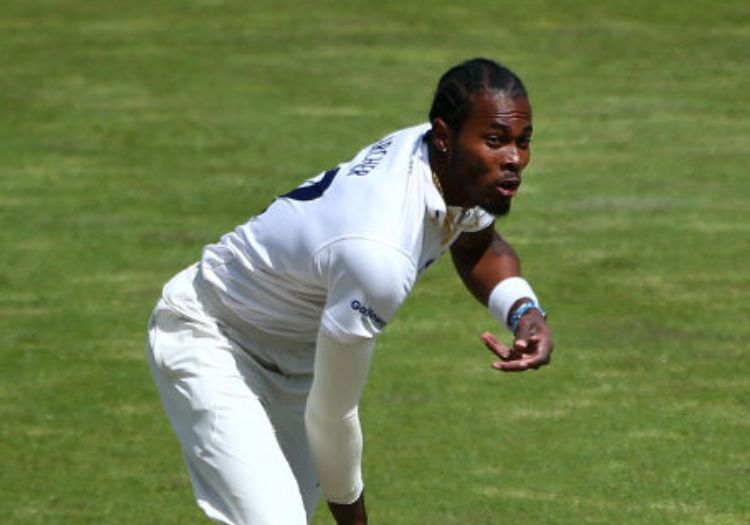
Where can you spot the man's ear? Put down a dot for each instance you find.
(441, 135)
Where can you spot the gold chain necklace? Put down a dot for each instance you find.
(439, 186)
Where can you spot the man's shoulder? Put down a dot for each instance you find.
(394, 148)
(381, 268)
(363, 250)
(411, 135)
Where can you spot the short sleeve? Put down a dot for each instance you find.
(367, 282)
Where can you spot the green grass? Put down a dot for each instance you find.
(132, 133)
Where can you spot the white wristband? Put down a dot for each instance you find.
(504, 296)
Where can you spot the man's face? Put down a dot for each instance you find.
(491, 150)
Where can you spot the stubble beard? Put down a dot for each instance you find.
(499, 209)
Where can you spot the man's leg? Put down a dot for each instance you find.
(288, 418)
(240, 474)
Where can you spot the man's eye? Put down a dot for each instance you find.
(524, 142)
(494, 140)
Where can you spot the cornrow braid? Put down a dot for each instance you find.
(454, 91)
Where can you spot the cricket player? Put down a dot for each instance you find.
(261, 350)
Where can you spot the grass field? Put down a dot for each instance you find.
(133, 133)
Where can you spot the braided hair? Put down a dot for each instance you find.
(452, 100)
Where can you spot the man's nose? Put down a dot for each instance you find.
(512, 158)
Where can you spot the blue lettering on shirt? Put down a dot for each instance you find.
(369, 313)
(372, 159)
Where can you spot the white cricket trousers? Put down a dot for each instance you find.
(240, 423)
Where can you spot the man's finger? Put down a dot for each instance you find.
(521, 345)
(519, 365)
(538, 355)
(495, 346)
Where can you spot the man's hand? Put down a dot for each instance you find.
(353, 514)
(532, 346)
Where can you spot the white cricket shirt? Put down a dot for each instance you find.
(342, 251)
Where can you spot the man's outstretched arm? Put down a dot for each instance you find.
(332, 423)
(491, 271)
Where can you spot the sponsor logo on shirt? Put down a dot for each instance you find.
(373, 157)
(369, 313)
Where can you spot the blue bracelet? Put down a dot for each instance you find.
(522, 309)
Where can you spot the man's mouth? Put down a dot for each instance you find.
(509, 187)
